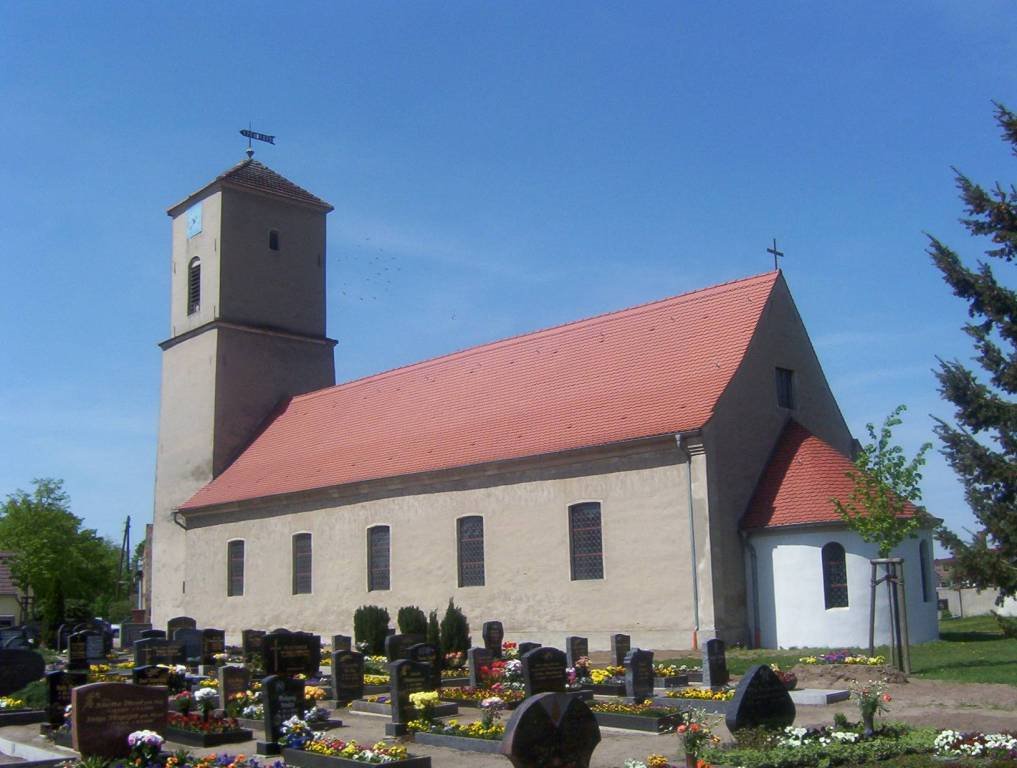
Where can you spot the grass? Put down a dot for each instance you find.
(970, 650)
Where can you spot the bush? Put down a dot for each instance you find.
(412, 621)
(433, 631)
(370, 628)
(1008, 624)
(455, 631)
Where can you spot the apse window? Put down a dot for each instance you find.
(235, 568)
(471, 551)
(585, 541)
(273, 239)
(302, 564)
(378, 558)
(785, 388)
(835, 590)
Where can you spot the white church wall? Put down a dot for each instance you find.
(789, 588)
(645, 590)
(975, 602)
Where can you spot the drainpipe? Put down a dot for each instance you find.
(176, 519)
(680, 438)
(754, 576)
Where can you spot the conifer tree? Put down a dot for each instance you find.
(981, 444)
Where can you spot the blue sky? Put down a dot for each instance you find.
(496, 167)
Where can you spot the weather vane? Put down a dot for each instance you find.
(254, 135)
(775, 253)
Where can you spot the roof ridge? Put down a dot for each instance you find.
(710, 290)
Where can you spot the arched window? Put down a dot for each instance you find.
(273, 239)
(235, 568)
(835, 588)
(471, 551)
(925, 561)
(378, 557)
(586, 544)
(193, 285)
(302, 564)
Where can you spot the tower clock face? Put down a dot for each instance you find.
(193, 220)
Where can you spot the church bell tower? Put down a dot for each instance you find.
(247, 330)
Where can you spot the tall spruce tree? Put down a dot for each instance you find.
(982, 444)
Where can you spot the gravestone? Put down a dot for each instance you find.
(476, 658)
(131, 631)
(58, 694)
(16, 639)
(715, 664)
(525, 648)
(232, 680)
(638, 675)
(405, 677)
(157, 651)
(289, 654)
(179, 622)
(190, 640)
(494, 635)
(151, 675)
(63, 632)
(77, 651)
(152, 634)
(426, 653)
(347, 675)
(283, 698)
(544, 671)
(251, 642)
(103, 715)
(95, 645)
(551, 729)
(398, 646)
(342, 643)
(18, 668)
(280, 631)
(620, 646)
(213, 641)
(760, 699)
(575, 649)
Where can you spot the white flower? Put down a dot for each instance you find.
(146, 738)
(205, 694)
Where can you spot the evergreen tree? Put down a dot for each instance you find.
(982, 445)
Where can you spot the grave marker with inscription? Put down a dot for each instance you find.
(620, 646)
(251, 641)
(156, 651)
(494, 635)
(283, 698)
(398, 646)
(760, 699)
(575, 648)
(58, 694)
(342, 643)
(179, 622)
(544, 671)
(525, 648)
(190, 640)
(232, 680)
(347, 675)
(103, 715)
(426, 653)
(213, 641)
(639, 675)
(715, 673)
(405, 677)
(151, 675)
(477, 658)
(152, 634)
(131, 631)
(77, 651)
(291, 654)
(551, 729)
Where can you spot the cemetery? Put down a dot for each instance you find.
(290, 698)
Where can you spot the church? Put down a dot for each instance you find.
(663, 471)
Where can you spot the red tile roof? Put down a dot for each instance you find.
(804, 473)
(648, 370)
(250, 174)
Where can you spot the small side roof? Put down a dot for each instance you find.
(252, 175)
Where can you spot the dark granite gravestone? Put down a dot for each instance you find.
(18, 668)
(280, 631)
(190, 640)
(426, 653)
(342, 643)
(179, 622)
(16, 639)
(638, 675)
(95, 645)
(525, 648)
(213, 641)
(494, 635)
(544, 671)
(131, 631)
(232, 680)
(63, 632)
(151, 675)
(58, 694)
(620, 646)
(551, 729)
(760, 699)
(405, 677)
(715, 664)
(291, 654)
(476, 658)
(251, 642)
(152, 634)
(283, 698)
(398, 646)
(157, 651)
(103, 715)
(77, 651)
(575, 648)
(347, 675)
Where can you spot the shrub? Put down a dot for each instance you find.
(455, 631)
(370, 628)
(1007, 623)
(412, 621)
(433, 632)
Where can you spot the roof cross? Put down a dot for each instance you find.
(775, 253)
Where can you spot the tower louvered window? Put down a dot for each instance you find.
(925, 562)
(235, 568)
(835, 590)
(585, 541)
(302, 564)
(194, 286)
(378, 557)
(471, 551)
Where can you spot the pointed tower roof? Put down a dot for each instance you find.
(249, 174)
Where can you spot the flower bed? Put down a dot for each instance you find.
(382, 705)
(637, 717)
(16, 712)
(471, 697)
(305, 759)
(996, 746)
(844, 657)
(304, 748)
(472, 737)
(196, 731)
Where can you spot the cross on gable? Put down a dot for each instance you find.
(775, 253)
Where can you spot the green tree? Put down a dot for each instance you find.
(981, 445)
(67, 569)
(885, 483)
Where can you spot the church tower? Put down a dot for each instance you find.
(247, 330)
